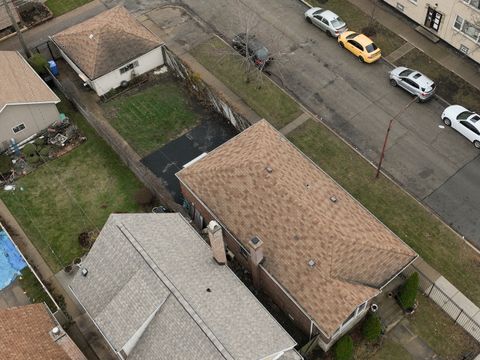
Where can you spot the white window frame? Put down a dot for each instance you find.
(359, 310)
(128, 67)
(469, 3)
(461, 21)
(18, 131)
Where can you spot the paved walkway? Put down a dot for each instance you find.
(295, 123)
(403, 335)
(441, 52)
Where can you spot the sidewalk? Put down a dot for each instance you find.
(441, 52)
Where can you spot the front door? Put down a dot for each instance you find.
(433, 19)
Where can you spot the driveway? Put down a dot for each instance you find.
(171, 158)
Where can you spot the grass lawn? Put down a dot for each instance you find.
(149, 118)
(429, 237)
(357, 19)
(388, 350)
(59, 7)
(49, 208)
(434, 326)
(449, 86)
(268, 101)
(34, 289)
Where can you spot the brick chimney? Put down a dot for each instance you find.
(215, 236)
(256, 256)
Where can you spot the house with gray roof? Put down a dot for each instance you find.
(152, 287)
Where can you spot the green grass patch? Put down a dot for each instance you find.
(357, 20)
(434, 326)
(72, 194)
(427, 235)
(387, 350)
(33, 289)
(149, 118)
(449, 86)
(59, 7)
(263, 96)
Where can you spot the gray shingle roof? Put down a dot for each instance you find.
(156, 267)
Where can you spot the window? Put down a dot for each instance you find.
(470, 127)
(18, 128)
(244, 252)
(128, 67)
(371, 47)
(350, 317)
(467, 28)
(400, 7)
(473, 3)
(362, 307)
(464, 115)
(463, 49)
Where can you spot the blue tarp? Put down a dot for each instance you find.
(11, 262)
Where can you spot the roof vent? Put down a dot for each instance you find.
(296, 237)
(90, 36)
(269, 169)
(84, 272)
(333, 199)
(307, 186)
(311, 263)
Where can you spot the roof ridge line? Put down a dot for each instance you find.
(175, 292)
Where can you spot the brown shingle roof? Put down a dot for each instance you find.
(106, 41)
(25, 335)
(290, 209)
(4, 18)
(19, 83)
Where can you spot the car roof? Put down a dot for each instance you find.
(420, 79)
(329, 15)
(363, 40)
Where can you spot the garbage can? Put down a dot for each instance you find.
(53, 67)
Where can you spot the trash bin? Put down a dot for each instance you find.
(53, 67)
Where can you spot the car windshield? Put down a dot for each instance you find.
(464, 115)
(406, 72)
(351, 36)
(338, 23)
(262, 53)
(371, 47)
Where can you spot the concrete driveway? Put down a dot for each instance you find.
(433, 163)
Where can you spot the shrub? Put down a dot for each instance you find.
(84, 240)
(29, 150)
(408, 292)
(143, 196)
(34, 159)
(38, 63)
(372, 328)
(39, 142)
(5, 163)
(344, 348)
(45, 151)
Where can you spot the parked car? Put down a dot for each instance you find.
(326, 20)
(250, 47)
(413, 81)
(464, 121)
(360, 45)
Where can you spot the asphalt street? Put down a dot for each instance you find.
(435, 164)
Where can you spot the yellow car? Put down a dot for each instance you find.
(360, 45)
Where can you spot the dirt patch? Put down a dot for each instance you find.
(34, 13)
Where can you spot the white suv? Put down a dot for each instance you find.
(413, 81)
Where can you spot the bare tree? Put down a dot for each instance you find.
(255, 33)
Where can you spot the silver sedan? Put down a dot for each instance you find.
(326, 20)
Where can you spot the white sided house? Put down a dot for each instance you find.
(27, 104)
(110, 49)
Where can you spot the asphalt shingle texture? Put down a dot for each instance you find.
(259, 184)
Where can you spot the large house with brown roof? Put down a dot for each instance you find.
(108, 50)
(31, 332)
(27, 104)
(319, 254)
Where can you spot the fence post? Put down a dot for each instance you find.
(456, 319)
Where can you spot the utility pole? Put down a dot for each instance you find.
(382, 155)
(17, 29)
